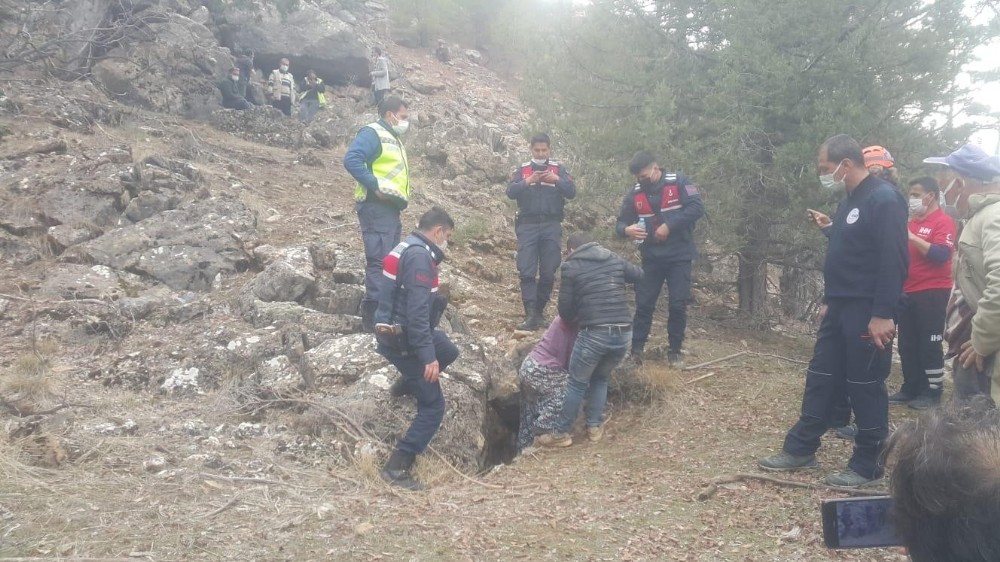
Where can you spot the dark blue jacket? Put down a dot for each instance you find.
(540, 203)
(363, 152)
(868, 256)
(411, 299)
(679, 245)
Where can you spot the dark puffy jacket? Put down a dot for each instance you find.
(593, 287)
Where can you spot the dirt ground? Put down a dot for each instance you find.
(631, 497)
(141, 476)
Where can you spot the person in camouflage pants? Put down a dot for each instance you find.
(543, 375)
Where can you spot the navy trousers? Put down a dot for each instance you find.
(430, 399)
(539, 252)
(677, 276)
(380, 232)
(845, 361)
(921, 325)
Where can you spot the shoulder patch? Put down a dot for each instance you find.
(691, 188)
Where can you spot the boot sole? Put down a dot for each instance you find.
(556, 444)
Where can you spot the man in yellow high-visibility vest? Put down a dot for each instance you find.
(377, 160)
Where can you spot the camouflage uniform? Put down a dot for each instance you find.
(542, 392)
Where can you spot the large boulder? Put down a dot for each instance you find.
(471, 436)
(310, 37)
(185, 249)
(17, 251)
(287, 278)
(171, 65)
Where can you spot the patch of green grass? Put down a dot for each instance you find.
(475, 229)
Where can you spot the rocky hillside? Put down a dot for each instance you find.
(176, 277)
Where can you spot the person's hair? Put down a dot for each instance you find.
(391, 104)
(945, 484)
(843, 147)
(578, 239)
(435, 216)
(542, 138)
(928, 184)
(377, 51)
(310, 71)
(236, 68)
(890, 175)
(640, 162)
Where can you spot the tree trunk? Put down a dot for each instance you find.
(751, 280)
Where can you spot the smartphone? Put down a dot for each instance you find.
(859, 523)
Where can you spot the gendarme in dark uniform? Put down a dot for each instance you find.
(538, 227)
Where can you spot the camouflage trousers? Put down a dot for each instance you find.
(542, 393)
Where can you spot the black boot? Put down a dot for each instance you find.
(531, 319)
(399, 388)
(636, 354)
(397, 471)
(368, 307)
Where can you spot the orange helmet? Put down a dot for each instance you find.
(877, 156)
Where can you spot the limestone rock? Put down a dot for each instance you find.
(287, 278)
(278, 376)
(337, 298)
(173, 68)
(148, 204)
(17, 251)
(344, 359)
(63, 236)
(184, 248)
(182, 381)
(310, 37)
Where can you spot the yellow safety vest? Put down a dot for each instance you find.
(319, 95)
(390, 169)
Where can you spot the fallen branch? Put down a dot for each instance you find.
(235, 499)
(714, 361)
(782, 357)
(713, 487)
(696, 379)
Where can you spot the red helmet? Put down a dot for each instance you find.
(877, 156)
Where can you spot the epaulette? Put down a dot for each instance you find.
(523, 164)
(670, 178)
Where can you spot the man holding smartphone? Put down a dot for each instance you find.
(866, 263)
(541, 187)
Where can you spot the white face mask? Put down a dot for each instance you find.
(539, 161)
(234, 78)
(284, 68)
(949, 209)
(401, 127)
(917, 206)
(829, 183)
(443, 245)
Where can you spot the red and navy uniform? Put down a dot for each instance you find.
(922, 319)
(408, 298)
(673, 201)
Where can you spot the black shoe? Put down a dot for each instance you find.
(397, 471)
(400, 388)
(924, 402)
(784, 462)
(848, 432)
(900, 398)
(675, 359)
(636, 355)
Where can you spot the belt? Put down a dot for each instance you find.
(609, 328)
(538, 219)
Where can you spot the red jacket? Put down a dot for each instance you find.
(938, 229)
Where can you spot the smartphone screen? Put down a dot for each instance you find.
(859, 523)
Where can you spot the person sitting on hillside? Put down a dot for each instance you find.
(945, 485)
(543, 375)
(442, 52)
(231, 97)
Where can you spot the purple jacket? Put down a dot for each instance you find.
(556, 345)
